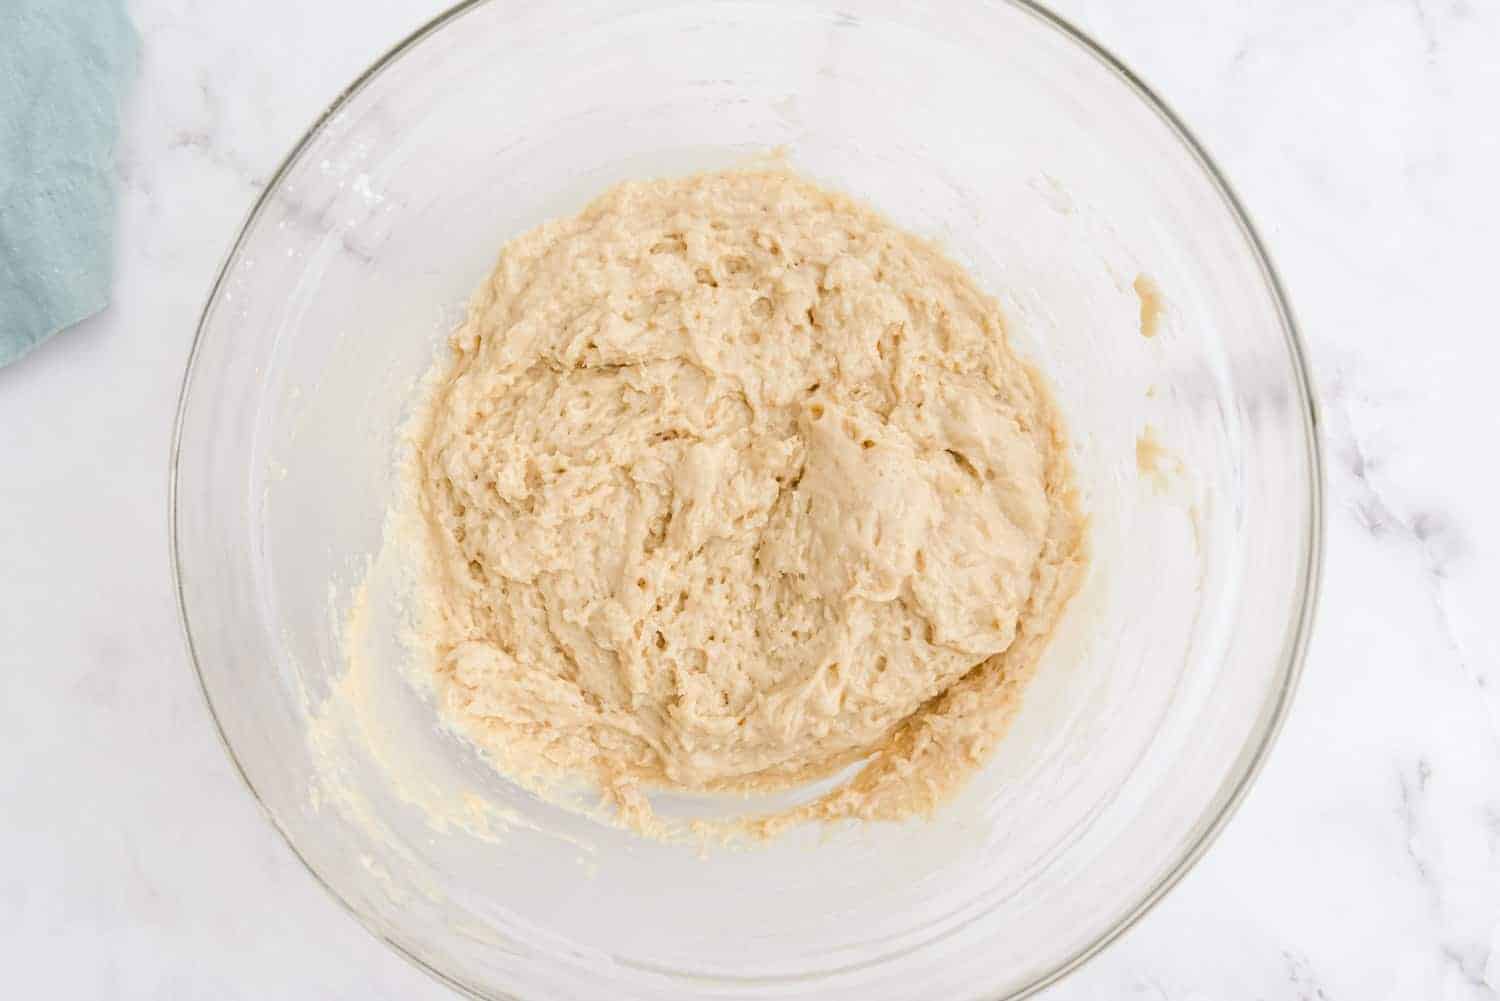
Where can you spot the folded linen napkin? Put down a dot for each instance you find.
(64, 65)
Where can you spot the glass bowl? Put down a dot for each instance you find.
(1075, 197)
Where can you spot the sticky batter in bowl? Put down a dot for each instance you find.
(729, 483)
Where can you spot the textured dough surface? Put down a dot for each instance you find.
(729, 483)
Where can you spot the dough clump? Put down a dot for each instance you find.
(729, 483)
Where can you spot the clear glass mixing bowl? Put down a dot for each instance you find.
(1071, 192)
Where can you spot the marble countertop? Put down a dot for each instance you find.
(1365, 864)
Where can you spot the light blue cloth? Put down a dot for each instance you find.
(64, 65)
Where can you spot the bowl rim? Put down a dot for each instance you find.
(1295, 642)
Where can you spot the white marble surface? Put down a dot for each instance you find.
(1365, 137)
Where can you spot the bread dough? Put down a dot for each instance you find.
(729, 483)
